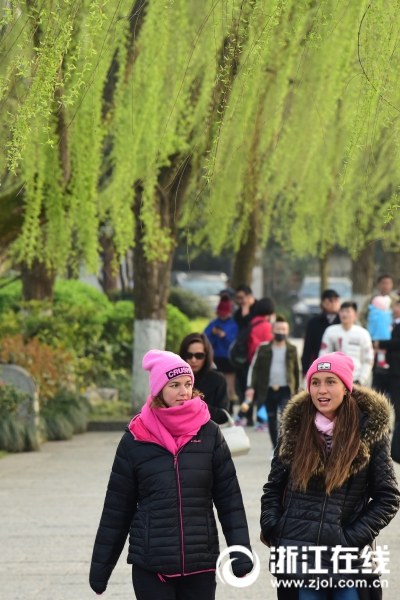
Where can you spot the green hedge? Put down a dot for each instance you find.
(16, 435)
(189, 303)
(65, 414)
(97, 332)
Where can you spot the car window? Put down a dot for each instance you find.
(312, 289)
(202, 287)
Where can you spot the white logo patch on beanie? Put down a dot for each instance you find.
(324, 366)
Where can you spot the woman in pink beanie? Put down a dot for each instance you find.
(331, 488)
(171, 466)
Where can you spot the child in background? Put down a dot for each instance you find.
(221, 332)
(379, 324)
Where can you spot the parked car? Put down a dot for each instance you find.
(309, 299)
(207, 284)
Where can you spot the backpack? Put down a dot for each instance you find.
(238, 351)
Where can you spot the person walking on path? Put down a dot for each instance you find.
(274, 372)
(384, 287)
(259, 331)
(243, 317)
(317, 325)
(392, 348)
(221, 332)
(379, 326)
(332, 487)
(261, 328)
(171, 466)
(351, 339)
(197, 351)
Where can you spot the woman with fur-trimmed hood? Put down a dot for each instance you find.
(331, 489)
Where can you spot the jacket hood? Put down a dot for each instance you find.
(372, 405)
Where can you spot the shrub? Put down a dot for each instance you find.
(104, 411)
(122, 381)
(189, 303)
(178, 327)
(51, 368)
(64, 414)
(66, 291)
(96, 337)
(118, 332)
(77, 293)
(10, 294)
(16, 435)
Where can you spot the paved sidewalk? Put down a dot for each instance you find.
(50, 507)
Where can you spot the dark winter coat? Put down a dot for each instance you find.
(261, 368)
(393, 351)
(351, 516)
(313, 338)
(244, 321)
(214, 387)
(165, 503)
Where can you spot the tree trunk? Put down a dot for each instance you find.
(37, 281)
(245, 258)
(392, 266)
(109, 276)
(363, 271)
(152, 278)
(324, 270)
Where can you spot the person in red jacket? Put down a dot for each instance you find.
(261, 328)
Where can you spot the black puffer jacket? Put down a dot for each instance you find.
(214, 387)
(351, 516)
(166, 503)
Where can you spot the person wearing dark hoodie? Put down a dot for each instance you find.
(260, 332)
(197, 351)
(332, 487)
(171, 466)
(221, 332)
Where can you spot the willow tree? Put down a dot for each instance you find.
(124, 113)
(300, 152)
(346, 183)
(56, 58)
(117, 100)
(295, 66)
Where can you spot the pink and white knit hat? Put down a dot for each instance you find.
(163, 367)
(335, 362)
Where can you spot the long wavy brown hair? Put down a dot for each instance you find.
(310, 448)
(158, 401)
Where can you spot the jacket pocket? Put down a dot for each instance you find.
(275, 530)
(146, 533)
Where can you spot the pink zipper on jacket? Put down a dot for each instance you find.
(176, 467)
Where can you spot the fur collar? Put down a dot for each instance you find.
(373, 405)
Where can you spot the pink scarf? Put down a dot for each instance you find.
(170, 427)
(323, 424)
(325, 427)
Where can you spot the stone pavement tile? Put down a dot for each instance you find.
(51, 504)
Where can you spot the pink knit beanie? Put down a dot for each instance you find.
(335, 362)
(163, 367)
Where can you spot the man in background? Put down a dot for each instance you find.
(246, 302)
(392, 348)
(384, 287)
(274, 372)
(316, 327)
(351, 339)
(243, 316)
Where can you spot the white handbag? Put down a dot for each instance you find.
(235, 437)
